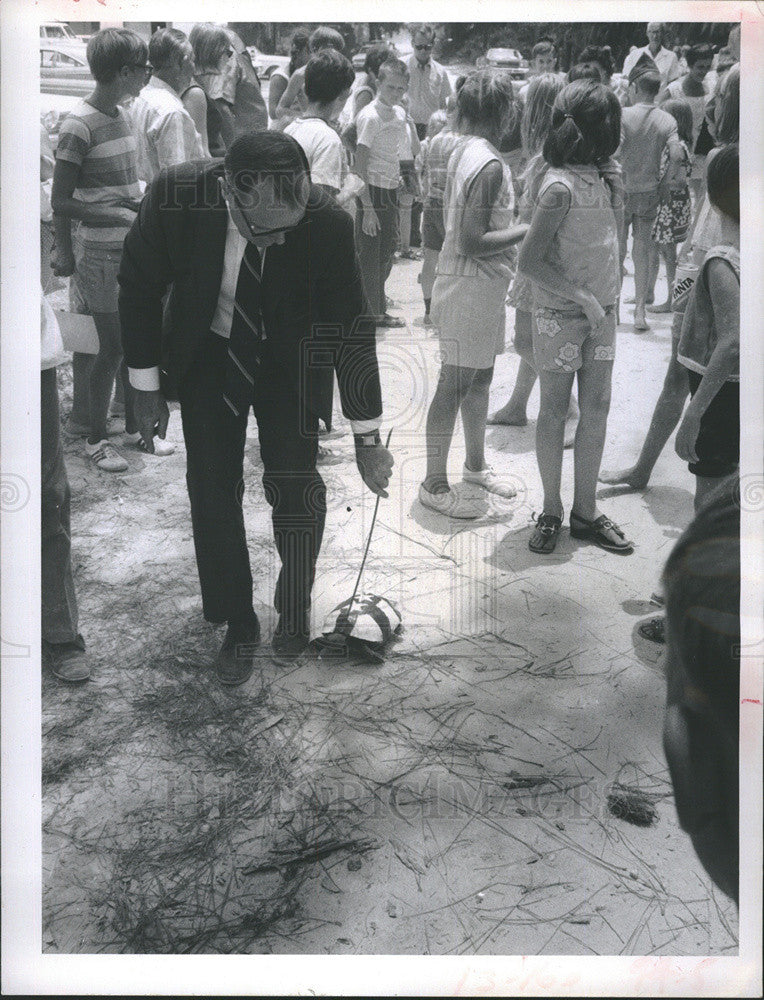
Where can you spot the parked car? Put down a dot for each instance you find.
(266, 64)
(64, 73)
(58, 35)
(509, 59)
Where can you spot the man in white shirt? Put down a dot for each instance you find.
(664, 59)
(429, 86)
(165, 131)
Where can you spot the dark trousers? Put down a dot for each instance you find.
(59, 603)
(215, 440)
(376, 253)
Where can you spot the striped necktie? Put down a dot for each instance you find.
(246, 334)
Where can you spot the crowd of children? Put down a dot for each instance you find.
(654, 155)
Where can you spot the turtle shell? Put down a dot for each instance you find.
(370, 618)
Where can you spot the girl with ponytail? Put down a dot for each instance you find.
(571, 255)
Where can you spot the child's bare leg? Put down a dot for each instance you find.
(514, 413)
(641, 253)
(427, 276)
(550, 431)
(453, 384)
(652, 271)
(668, 252)
(666, 415)
(474, 411)
(594, 383)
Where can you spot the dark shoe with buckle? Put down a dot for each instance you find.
(603, 532)
(67, 660)
(291, 637)
(544, 537)
(236, 660)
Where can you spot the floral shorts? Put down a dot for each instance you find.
(563, 341)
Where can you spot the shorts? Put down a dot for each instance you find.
(563, 341)
(433, 228)
(470, 313)
(640, 205)
(97, 269)
(718, 444)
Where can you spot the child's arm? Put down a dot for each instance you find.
(370, 220)
(553, 206)
(724, 290)
(284, 108)
(474, 239)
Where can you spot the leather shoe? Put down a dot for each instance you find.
(67, 660)
(236, 660)
(291, 637)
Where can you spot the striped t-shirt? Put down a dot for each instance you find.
(104, 148)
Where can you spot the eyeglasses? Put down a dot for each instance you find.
(250, 227)
(423, 48)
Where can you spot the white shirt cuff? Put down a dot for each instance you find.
(366, 426)
(144, 379)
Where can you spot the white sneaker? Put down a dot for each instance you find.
(105, 456)
(488, 479)
(451, 504)
(161, 448)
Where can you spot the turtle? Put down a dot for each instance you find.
(362, 626)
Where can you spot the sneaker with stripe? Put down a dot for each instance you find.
(105, 456)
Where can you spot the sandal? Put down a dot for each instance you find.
(544, 537)
(653, 629)
(602, 532)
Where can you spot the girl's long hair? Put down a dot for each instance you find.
(728, 116)
(586, 125)
(537, 115)
(681, 112)
(486, 98)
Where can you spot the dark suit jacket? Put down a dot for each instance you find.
(315, 313)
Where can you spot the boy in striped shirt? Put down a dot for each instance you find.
(96, 185)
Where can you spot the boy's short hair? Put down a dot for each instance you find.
(166, 45)
(112, 48)
(543, 48)
(600, 54)
(326, 38)
(702, 584)
(648, 83)
(723, 181)
(256, 156)
(392, 66)
(327, 75)
(696, 52)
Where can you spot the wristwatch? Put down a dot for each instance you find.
(370, 440)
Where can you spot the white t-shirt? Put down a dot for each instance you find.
(323, 148)
(382, 129)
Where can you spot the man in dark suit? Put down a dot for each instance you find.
(266, 305)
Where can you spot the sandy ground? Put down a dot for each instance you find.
(451, 801)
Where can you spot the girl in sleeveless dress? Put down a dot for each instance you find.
(571, 255)
(470, 290)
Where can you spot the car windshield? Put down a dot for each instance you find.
(57, 31)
